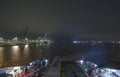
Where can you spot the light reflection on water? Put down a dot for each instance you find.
(1, 56)
(26, 50)
(20, 55)
(15, 52)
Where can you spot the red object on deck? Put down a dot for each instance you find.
(26, 73)
(37, 74)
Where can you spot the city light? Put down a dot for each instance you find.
(80, 61)
(26, 39)
(46, 62)
(76, 42)
(1, 39)
(26, 46)
(15, 47)
(15, 39)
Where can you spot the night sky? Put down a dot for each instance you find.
(94, 19)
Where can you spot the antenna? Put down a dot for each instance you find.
(26, 31)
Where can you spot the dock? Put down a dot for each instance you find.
(55, 68)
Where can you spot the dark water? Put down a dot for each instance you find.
(22, 55)
(104, 55)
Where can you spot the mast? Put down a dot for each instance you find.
(26, 31)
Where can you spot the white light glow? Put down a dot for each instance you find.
(26, 46)
(26, 38)
(46, 60)
(75, 42)
(95, 65)
(81, 61)
(15, 47)
(30, 63)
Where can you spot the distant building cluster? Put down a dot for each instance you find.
(95, 42)
(17, 41)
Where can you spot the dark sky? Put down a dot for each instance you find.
(96, 19)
